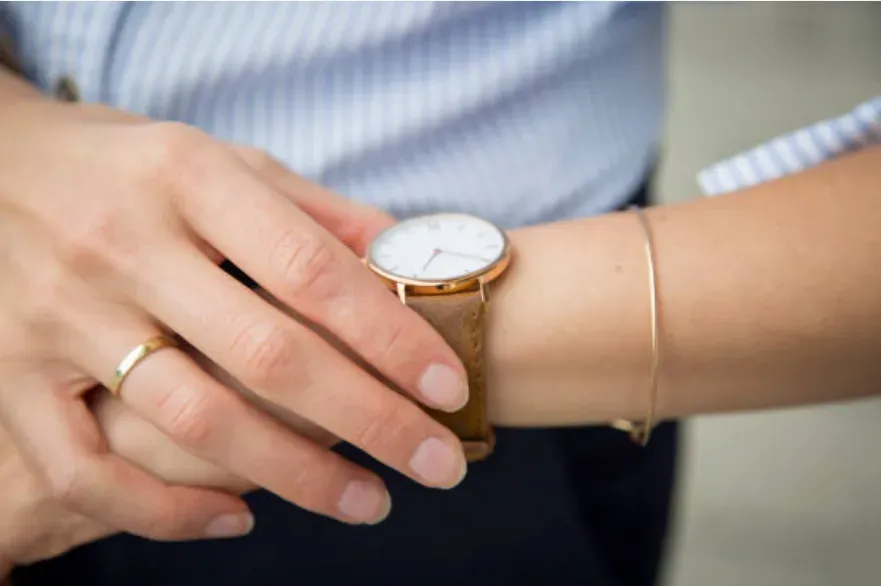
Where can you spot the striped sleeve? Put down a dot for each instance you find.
(7, 38)
(5, 20)
(797, 151)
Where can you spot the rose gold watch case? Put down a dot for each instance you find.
(470, 282)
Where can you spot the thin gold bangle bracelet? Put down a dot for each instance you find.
(641, 431)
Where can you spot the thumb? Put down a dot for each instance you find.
(353, 223)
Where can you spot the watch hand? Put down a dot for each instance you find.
(466, 255)
(434, 253)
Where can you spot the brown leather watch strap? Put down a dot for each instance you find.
(458, 317)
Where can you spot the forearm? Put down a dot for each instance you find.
(767, 298)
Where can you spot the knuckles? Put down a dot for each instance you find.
(189, 416)
(95, 240)
(387, 343)
(169, 153)
(111, 229)
(268, 357)
(167, 523)
(382, 429)
(313, 483)
(305, 264)
(49, 288)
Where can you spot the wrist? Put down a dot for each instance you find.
(570, 332)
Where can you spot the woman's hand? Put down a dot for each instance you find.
(35, 526)
(111, 230)
(132, 437)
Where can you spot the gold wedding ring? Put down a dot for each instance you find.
(137, 354)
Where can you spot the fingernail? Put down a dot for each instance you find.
(439, 463)
(365, 502)
(230, 525)
(444, 387)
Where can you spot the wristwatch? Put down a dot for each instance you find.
(441, 266)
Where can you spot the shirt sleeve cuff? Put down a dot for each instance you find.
(797, 151)
(7, 38)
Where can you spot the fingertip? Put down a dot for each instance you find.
(365, 502)
(212, 514)
(444, 387)
(439, 463)
(230, 525)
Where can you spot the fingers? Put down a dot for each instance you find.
(58, 437)
(141, 443)
(301, 264)
(355, 224)
(32, 525)
(293, 367)
(292, 420)
(211, 422)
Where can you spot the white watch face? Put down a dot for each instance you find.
(437, 247)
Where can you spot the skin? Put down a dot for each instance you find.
(768, 298)
(111, 230)
(757, 311)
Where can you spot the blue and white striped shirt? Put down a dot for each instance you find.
(796, 152)
(519, 112)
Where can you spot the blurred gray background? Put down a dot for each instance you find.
(790, 497)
